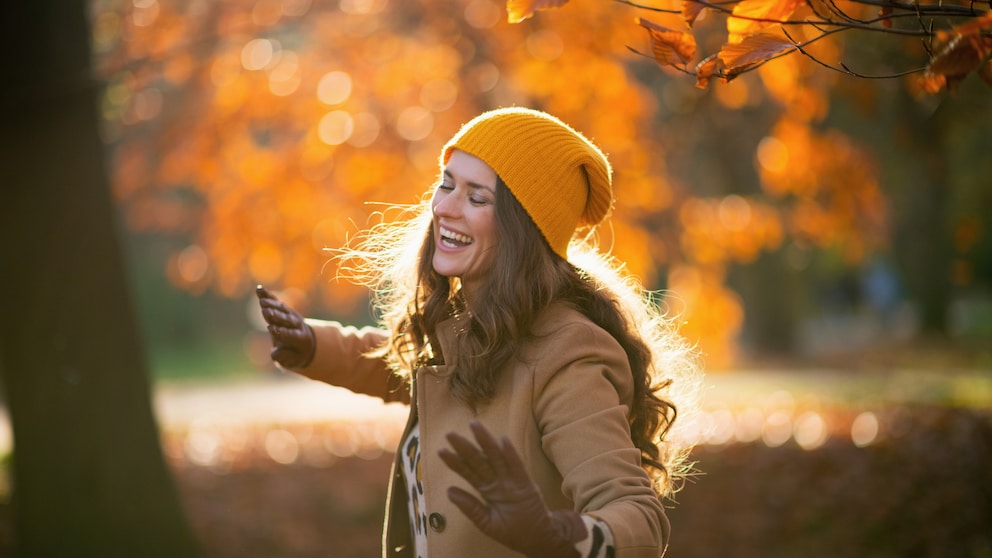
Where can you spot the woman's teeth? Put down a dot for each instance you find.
(453, 237)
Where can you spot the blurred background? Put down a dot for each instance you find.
(824, 240)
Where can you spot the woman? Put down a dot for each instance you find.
(540, 387)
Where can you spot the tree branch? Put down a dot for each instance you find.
(843, 69)
(939, 9)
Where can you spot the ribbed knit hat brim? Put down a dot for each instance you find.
(561, 178)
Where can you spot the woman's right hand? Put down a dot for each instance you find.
(293, 341)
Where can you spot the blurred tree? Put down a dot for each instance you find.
(954, 39)
(931, 151)
(955, 36)
(263, 131)
(89, 478)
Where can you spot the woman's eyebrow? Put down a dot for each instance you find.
(471, 184)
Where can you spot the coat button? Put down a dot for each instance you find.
(437, 522)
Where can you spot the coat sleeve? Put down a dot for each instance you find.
(583, 391)
(341, 360)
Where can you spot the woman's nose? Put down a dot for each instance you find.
(447, 206)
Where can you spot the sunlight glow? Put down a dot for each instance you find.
(192, 264)
(145, 12)
(295, 8)
(334, 88)
(810, 430)
(777, 429)
(484, 76)
(438, 95)
(734, 212)
(749, 422)
(733, 95)
(363, 6)
(202, 446)
(483, 14)
(342, 442)
(864, 429)
(284, 75)
(414, 123)
(366, 129)
(335, 127)
(773, 154)
(281, 446)
(258, 53)
(720, 428)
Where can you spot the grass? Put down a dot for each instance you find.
(225, 359)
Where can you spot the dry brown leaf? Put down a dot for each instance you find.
(975, 26)
(959, 56)
(669, 46)
(706, 69)
(931, 83)
(519, 10)
(755, 49)
(965, 48)
(691, 10)
(751, 16)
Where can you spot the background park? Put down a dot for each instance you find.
(807, 185)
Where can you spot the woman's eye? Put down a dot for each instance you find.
(478, 201)
(443, 186)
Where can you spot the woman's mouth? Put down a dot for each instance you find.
(452, 239)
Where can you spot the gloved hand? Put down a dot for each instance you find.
(293, 341)
(512, 510)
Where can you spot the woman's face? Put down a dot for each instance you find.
(464, 207)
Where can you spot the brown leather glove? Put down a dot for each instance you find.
(512, 510)
(293, 341)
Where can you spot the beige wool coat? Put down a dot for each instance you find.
(564, 404)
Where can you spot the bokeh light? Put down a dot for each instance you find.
(777, 429)
(334, 88)
(483, 14)
(864, 429)
(335, 127)
(281, 446)
(258, 53)
(773, 154)
(414, 123)
(810, 430)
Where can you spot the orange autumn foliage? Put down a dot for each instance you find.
(957, 35)
(267, 131)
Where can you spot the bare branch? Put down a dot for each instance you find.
(843, 69)
(920, 18)
(939, 9)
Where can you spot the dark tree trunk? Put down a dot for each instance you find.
(767, 287)
(919, 189)
(89, 477)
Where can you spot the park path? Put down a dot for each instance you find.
(264, 399)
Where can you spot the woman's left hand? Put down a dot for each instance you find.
(511, 510)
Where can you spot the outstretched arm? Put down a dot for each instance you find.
(293, 341)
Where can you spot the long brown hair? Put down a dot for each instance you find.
(527, 277)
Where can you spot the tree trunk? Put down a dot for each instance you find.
(767, 287)
(919, 189)
(89, 478)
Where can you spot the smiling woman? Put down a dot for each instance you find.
(464, 220)
(542, 385)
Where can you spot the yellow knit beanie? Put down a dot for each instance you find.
(557, 175)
